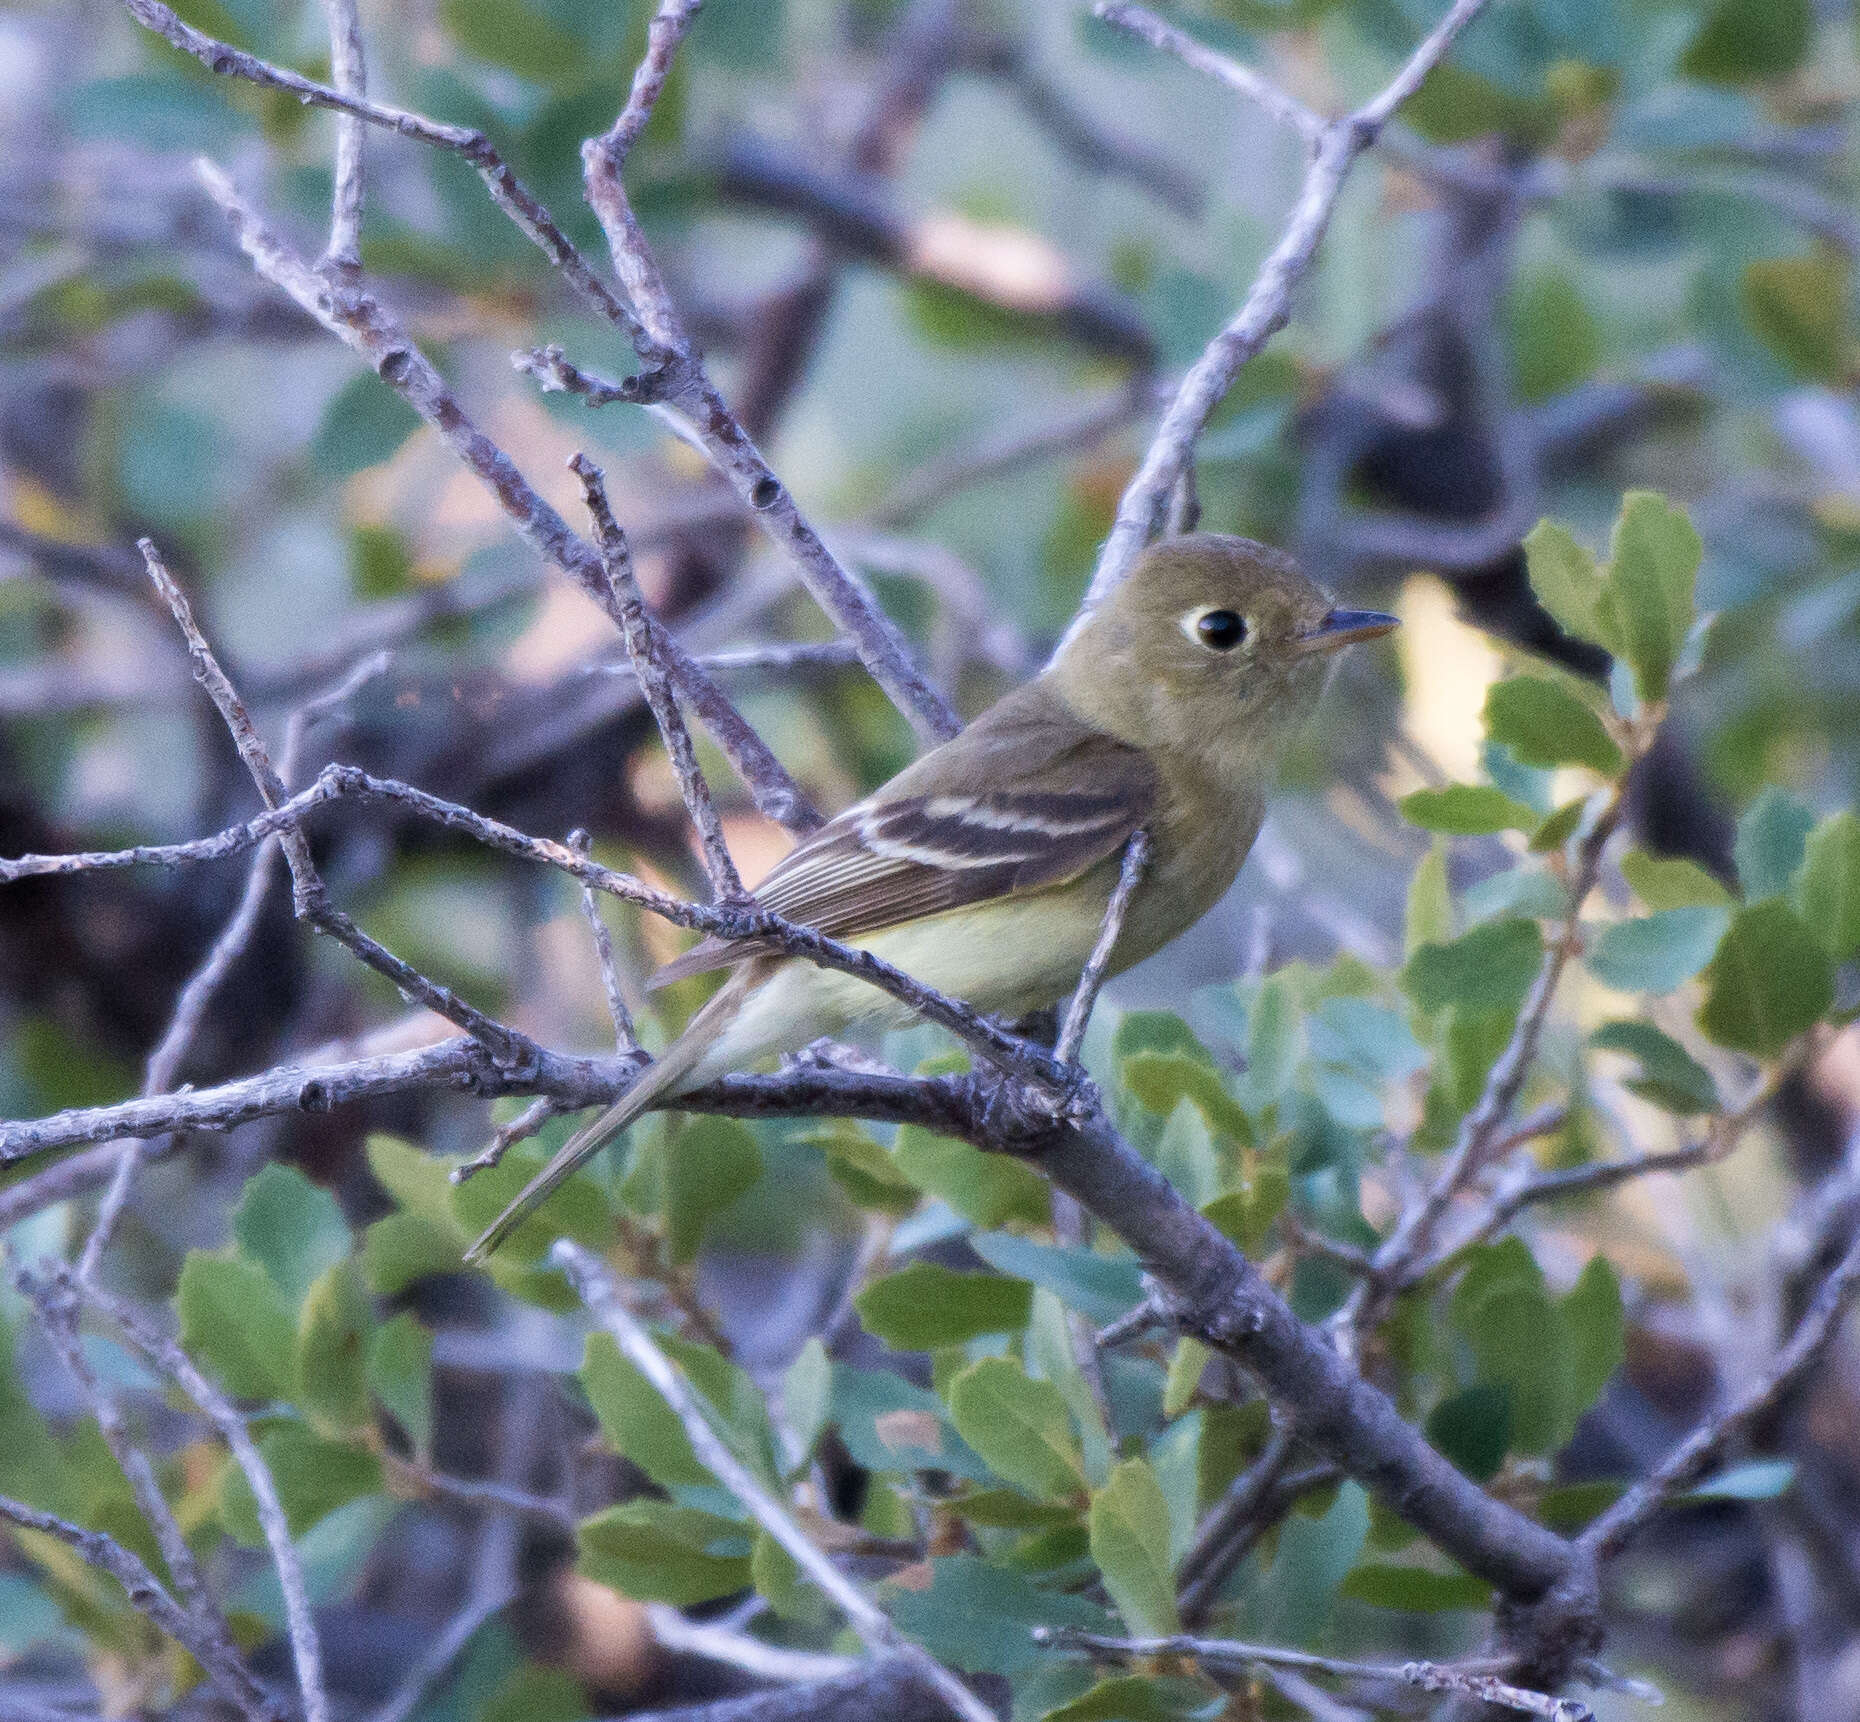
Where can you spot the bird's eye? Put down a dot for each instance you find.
(1220, 630)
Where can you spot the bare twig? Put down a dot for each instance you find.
(1335, 149)
(1690, 1460)
(306, 1650)
(440, 1653)
(716, 1642)
(626, 1036)
(597, 1290)
(77, 1175)
(1476, 1680)
(1078, 1012)
(1286, 109)
(656, 684)
(349, 69)
(147, 1594)
(506, 1136)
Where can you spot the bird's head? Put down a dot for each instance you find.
(1213, 644)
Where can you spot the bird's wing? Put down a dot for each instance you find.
(1016, 803)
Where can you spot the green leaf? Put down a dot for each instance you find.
(1772, 839)
(1568, 584)
(1670, 1077)
(860, 1165)
(1753, 1480)
(925, 1306)
(1747, 41)
(314, 1477)
(1245, 1216)
(1429, 918)
(807, 1394)
(1828, 887)
(1140, 1698)
(1558, 827)
(709, 1162)
(417, 1181)
(1412, 1589)
(978, 1617)
(1769, 981)
(1672, 882)
(1467, 810)
(1798, 307)
(1555, 341)
(1018, 1425)
(236, 1321)
(1130, 1542)
(400, 1374)
(1473, 1429)
(1160, 1081)
(635, 1418)
(1490, 968)
(1543, 723)
(653, 1551)
(1654, 563)
(364, 424)
(1503, 1310)
(1101, 1287)
(1658, 952)
(400, 1249)
(332, 1347)
(1595, 1332)
(1191, 1359)
(511, 34)
(985, 1189)
(291, 1227)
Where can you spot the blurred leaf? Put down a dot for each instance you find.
(532, 1693)
(159, 112)
(33, 1465)
(1656, 953)
(292, 1228)
(1184, 1378)
(987, 1189)
(400, 1375)
(1246, 1215)
(1140, 1698)
(1669, 1075)
(1454, 105)
(236, 1321)
(332, 1344)
(1161, 1081)
(515, 36)
(778, 1579)
(1769, 981)
(978, 1617)
(1772, 838)
(1429, 919)
(1747, 41)
(1185, 1154)
(1412, 1589)
(400, 1249)
(1555, 341)
(1130, 1543)
(1274, 1042)
(1489, 969)
(708, 1164)
(1162, 1031)
(1545, 724)
(1753, 1480)
(1828, 889)
(1654, 563)
(807, 1394)
(1567, 583)
(653, 1551)
(416, 1180)
(364, 424)
(1473, 1429)
(861, 1166)
(1099, 1287)
(1467, 810)
(1595, 1330)
(924, 1306)
(1518, 1338)
(635, 1418)
(1672, 882)
(890, 1425)
(1559, 827)
(1019, 1425)
(1800, 309)
(380, 562)
(313, 1476)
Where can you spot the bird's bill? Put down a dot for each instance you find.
(1345, 628)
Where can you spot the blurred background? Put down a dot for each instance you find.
(945, 257)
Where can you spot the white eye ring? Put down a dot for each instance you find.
(1230, 631)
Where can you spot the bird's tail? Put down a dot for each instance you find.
(659, 1079)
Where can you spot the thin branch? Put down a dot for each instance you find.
(349, 69)
(58, 1313)
(718, 1643)
(423, 1483)
(1145, 502)
(1694, 1456)
(76, 1175)
(626, 1036)
(362, 323)
(663, 34)
(1471, 1680)
(306, 1650)
(1078, 1012)
(146, 1594)
(597, 1290)
(440, 1653)
(1140, 21)
(655, 683)
(506, 1136)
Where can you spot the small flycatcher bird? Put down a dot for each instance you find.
(985, 868)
